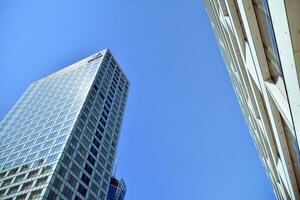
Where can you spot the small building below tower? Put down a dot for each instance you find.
(117, 189)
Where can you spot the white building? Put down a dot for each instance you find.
(260, 43)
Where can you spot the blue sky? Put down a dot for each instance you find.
(183, 135)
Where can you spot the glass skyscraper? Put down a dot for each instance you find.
(117, 189)
(59, 140)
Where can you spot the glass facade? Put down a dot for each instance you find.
(59, 140)
(117, 189)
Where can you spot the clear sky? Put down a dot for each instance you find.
(183, 135)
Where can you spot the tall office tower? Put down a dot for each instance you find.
(117, 189)
(59, 140)
(260, 43)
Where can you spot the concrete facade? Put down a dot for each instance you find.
(260, 43)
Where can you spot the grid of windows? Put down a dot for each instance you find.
(90, 153)
(72, 120)
(21, 183)
(40, 123)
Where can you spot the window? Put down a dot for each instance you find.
(108, 167)
(21, 197)
(56, 148)
(57, 183)
(93, 119)
(60, 139)
(95, 188)
(101, 129)
(91, 197)
(109, 99)
(74, 141)
(102, 195)
(95, 87)
(101, 95)
(98, 135)
(104, 185)
(104, 115)
(44, 152)
(102, 159)
(110, 158)
(106, 176)
(6, 182)
(79, 159)
(99, 168)
(27, 185)
(41, 181)
(96, 143)
(83, 117)
(90, 126)
(13, 190)
(66, 160)
(52, 158)
(2, 192)
(35, 194)
(107, 136)
(112, 89)
(88, 169)
(72, 181)
(106, 109)
(262, 12)
(77, 198)
(46, 169)
(51, 195)
(111, 93)
(82, 150)
(96, 176)
(107, 103)
(85, 141)
(85, 179)
(2, 174)
(91, 159)
(19, 178)
(104, 152)
(74, 168)
(113, 144)
(13, 171)
(67, 192)
(102, 121)
(82, 190)
(70, 150)
(94, 151)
